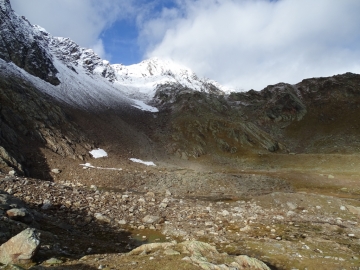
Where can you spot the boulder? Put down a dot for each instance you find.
(101, 217)
(21, 248)
(151, 219)
(246, 262)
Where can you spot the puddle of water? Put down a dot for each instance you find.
(147, 236)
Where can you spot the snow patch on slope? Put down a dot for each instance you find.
(98, 153)
(144, 107)
(147, 163)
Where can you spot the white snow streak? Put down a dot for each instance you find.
(88, 165)
(147, 163)
(144, 107)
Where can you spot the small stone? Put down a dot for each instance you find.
(101, 217)
(351, 235)
(331, 176)
(53, 261)
(200, 233)
(291, 205)
(163, 205)
(290, 213)
(56, 171)
(122, 222)
(150, 194)
(318, 250)
(19, 214)
(342, 208)
(46, 205)
(12, 173)
(245, 229)
(171, 252)
(278, 238)
(168, 193)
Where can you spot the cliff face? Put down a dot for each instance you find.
(31, 121)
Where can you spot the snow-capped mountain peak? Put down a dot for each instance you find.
(142, 79)
(78, 75)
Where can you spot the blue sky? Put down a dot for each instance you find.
(246, 44)
(120, 42)
(121, 38)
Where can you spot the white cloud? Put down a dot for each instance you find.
(81, 20)
(98, 48)
(253, 43)
(243, 43)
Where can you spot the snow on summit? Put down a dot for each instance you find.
(140, 80)
(89, 82)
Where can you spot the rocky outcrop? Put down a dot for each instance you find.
(73, 55)
(21, 248)
(23, 45)
(202, 255)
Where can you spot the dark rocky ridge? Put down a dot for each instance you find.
(314, 116)
(24, 48)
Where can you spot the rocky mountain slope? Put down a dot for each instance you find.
(97, 96)
(271, 174)
(313, 116)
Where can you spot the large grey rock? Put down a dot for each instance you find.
(21, 248)
(202, 254)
